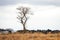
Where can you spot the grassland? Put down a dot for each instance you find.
(30, 36)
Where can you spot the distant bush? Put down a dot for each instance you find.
(10, 30)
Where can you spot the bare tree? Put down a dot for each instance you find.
(22, 17)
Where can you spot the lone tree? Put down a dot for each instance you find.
(22, 17)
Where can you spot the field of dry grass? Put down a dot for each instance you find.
(30, 36)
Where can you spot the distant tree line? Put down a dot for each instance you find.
(27, 31)
(6, 30)
(42, 31)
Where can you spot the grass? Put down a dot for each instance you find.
(30, 36)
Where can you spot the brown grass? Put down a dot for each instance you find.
(30, 36)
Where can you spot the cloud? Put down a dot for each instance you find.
(34, 2)
(8, 2)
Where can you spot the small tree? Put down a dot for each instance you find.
(22, 17)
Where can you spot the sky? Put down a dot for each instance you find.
(46, 14)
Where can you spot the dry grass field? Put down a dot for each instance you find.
(30, 36)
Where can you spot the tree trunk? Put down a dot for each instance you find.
(24, 27)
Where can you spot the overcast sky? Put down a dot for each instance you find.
(46, 14)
